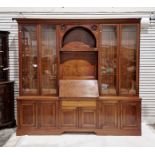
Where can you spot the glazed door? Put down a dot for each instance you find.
(108, 69)
(3, 57)
(48, 59)
(128, 59)
(29, 62)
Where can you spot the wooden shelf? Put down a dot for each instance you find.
(78, 49)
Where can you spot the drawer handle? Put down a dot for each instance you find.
(1, 51)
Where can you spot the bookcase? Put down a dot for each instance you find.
(79, 76)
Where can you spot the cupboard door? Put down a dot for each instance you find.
(6, 103)
(108, 59)
(29, 62)
(87, 117)
(69, 117)
(27, 110)
(48, 114)
(128, 63)
(130, 114)
(108, 117)
(48, 60)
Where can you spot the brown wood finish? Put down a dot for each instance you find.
(28, 114)
(48, 114)
(87, 117)
(69, 117)
(77, 62)
(130, 115)
(109, 114)
(78, 88)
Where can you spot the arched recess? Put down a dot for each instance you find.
(79, 37)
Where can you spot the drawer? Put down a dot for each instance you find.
(78, 103)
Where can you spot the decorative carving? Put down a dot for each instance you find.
(63, 27)
(94, 27)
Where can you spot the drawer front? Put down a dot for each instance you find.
(78, 103)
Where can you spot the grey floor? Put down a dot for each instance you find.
(5, 135)
(8, 138)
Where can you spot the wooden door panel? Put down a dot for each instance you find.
(87, 117)
(130, 115)
(108, 114)
(48, 114)
(28, 114)
(69, 117)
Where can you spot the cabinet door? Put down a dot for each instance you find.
(108, 59)
(27, 112)
(130, 114)
(6, 103)
(48, 114)
(29, 62)
(2, 103)
(128, 59)
(48, 60)
(69, 117)
(87, 117)
(108, 117)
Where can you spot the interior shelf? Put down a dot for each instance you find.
(78, 49)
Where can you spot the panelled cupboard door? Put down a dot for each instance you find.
(27, 112)
(109, 114)
(69, 117)
(29, 60)
(48, 113)
(130, 114)
(87, 117)
(48, 59)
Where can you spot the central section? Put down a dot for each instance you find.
(78, 52)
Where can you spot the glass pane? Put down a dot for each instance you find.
(128, 60)
(1, 60)
(0, 44)
(29, 60)
(108, 60)
(48, 60)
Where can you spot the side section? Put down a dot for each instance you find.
(119, 116)
(37, 116)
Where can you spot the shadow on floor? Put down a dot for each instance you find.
(5, 135)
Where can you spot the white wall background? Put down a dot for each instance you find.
(147, 46)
